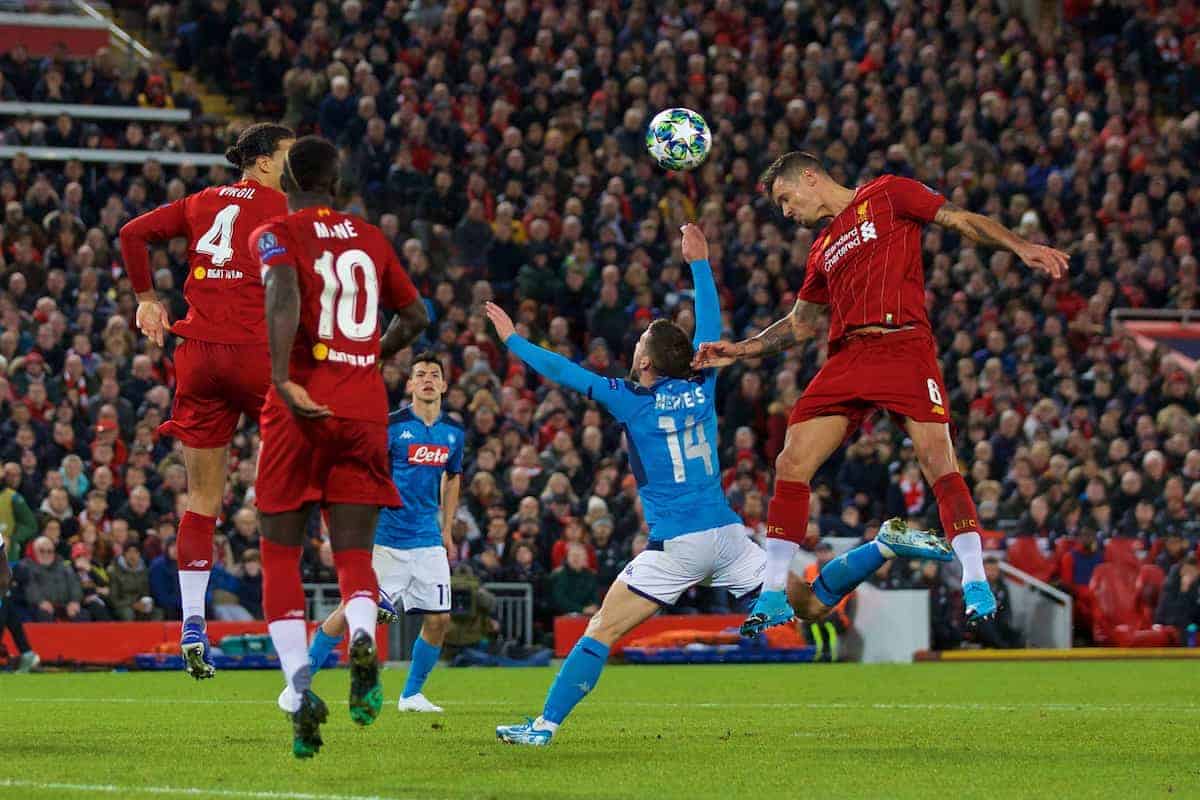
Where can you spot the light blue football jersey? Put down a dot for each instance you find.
(420, 455)
(670, 427)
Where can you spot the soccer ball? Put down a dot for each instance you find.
(678, 139)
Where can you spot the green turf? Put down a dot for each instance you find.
(1061, 730)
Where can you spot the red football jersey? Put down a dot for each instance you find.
(346, 269)
(223, 290)
(866, 265)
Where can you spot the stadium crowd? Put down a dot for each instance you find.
(501, 148)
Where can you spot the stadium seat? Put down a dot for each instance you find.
(1025, 554)
(1115, 602)
(1149, 588)
(1122, 550)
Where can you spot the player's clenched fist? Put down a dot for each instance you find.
(695, 246)
(501, 320)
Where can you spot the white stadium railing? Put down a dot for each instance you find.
(99, 156)
(1041, 612)
(81, 111)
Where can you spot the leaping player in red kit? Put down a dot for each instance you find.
(324, 425)
(221, 360)
(865, 271)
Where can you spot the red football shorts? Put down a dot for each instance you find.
(897, 372)
(215, 385)
(326, 461)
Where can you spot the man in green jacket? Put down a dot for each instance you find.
(573, 586)
(129, 588)
(17, 523)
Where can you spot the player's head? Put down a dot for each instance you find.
(311, 167)
(260, 151)
(796, 183)
(663, 351)
(427, 383)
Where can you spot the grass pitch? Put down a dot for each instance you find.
(1037, 730)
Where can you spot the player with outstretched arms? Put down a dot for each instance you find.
(669, 414)
(221, 362)
(324, 424)
(866, 273)
(412, 542)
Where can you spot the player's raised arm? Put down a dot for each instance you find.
(708, 305)
(609, 392)
(158, 225)
(797, 327)
(990, 233)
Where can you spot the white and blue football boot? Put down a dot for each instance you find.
(906, 542)
(532, 732)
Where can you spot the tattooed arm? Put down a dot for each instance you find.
(990, 233)
(798, 326)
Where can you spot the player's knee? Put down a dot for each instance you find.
(434, 627)
(792, 464)
(603, 628)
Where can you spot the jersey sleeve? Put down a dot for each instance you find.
(454, 465)
(269, 242)
(398, 288)
(815, 288)
(617, 396)
(708, 304)
(165, 222)
(914, 200)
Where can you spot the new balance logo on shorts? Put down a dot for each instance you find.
(428, 455)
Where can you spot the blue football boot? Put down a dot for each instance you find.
(979, 600)
(771, 609)
(193, 645)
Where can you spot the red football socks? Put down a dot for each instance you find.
(195, 542)
(787, 515)
(283, 591)
(956, 508)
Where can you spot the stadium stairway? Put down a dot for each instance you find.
(212, 102)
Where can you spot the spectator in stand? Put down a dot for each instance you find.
(164, 582)
(573, 587)
(52, 589)
(1075, 575)
(129, 588)
(945, 617)
(999, 631)
(1179, 604)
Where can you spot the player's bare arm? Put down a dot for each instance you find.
(451, 486)
(403, 330)
(990, 233)
(798, 326)
(283, 317)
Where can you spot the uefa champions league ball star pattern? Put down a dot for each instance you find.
(678, 139)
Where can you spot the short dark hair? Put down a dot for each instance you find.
(260, 139)
(428, 357)
(311, 166)
(669, 349)
(789, 164)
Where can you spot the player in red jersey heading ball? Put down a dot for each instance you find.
(221, 361)
(324, 425)
(866, 272)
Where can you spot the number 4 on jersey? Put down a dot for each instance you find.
(689, 443)
(217, 242)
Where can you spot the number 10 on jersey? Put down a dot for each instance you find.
(689, 444)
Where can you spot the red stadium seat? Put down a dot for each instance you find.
(1122, 550)
(1115, 601)
(1149, 588)
(1025, 555)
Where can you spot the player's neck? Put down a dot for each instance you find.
(838, 199)
(648, 378)
(427, 412)
(302, 200)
